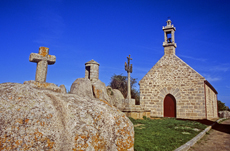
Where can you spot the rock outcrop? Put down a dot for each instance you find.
(85, 88)
(99, 91)
(63, 89)
(224, 114)
(43, 86)
(82, 87)
(116, 97)
(36, 119)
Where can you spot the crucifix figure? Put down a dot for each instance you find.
(129, 70)
(43, 59)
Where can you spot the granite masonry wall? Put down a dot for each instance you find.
(211, 103)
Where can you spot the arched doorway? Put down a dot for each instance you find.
(169, 106)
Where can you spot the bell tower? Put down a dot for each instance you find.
(169, 38)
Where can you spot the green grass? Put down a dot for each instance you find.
(164, 134)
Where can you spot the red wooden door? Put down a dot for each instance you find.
(169, 106)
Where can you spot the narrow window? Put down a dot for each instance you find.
(88, 69)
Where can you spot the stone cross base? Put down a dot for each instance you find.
(45, 86)
(134, 111)
(128, 102)
(137, 114)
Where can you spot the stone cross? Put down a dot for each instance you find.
(42, 59)
(129, 69)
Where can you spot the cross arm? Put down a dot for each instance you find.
(34, 57)
(51, 59)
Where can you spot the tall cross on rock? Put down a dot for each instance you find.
(129, 69)
(43, 59)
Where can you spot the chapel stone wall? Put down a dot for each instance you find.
(211, 103)
(172, 76)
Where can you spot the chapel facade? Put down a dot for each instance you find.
(172, 88)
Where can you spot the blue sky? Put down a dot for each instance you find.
(107, 31)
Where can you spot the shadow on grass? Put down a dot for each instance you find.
(218, 126)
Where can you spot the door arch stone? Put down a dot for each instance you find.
(169, 106)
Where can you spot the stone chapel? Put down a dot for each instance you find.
(171, 88)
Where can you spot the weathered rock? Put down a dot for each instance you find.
(224, 114)
(63, 89)
(116, 98)
(35, 119)
(43, 85)
(97, 89)
(100, 92)
(82, 87)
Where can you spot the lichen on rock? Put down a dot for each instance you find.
(36, 119)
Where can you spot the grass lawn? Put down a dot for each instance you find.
(164, 134)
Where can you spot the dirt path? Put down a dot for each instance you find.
(218, 139)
